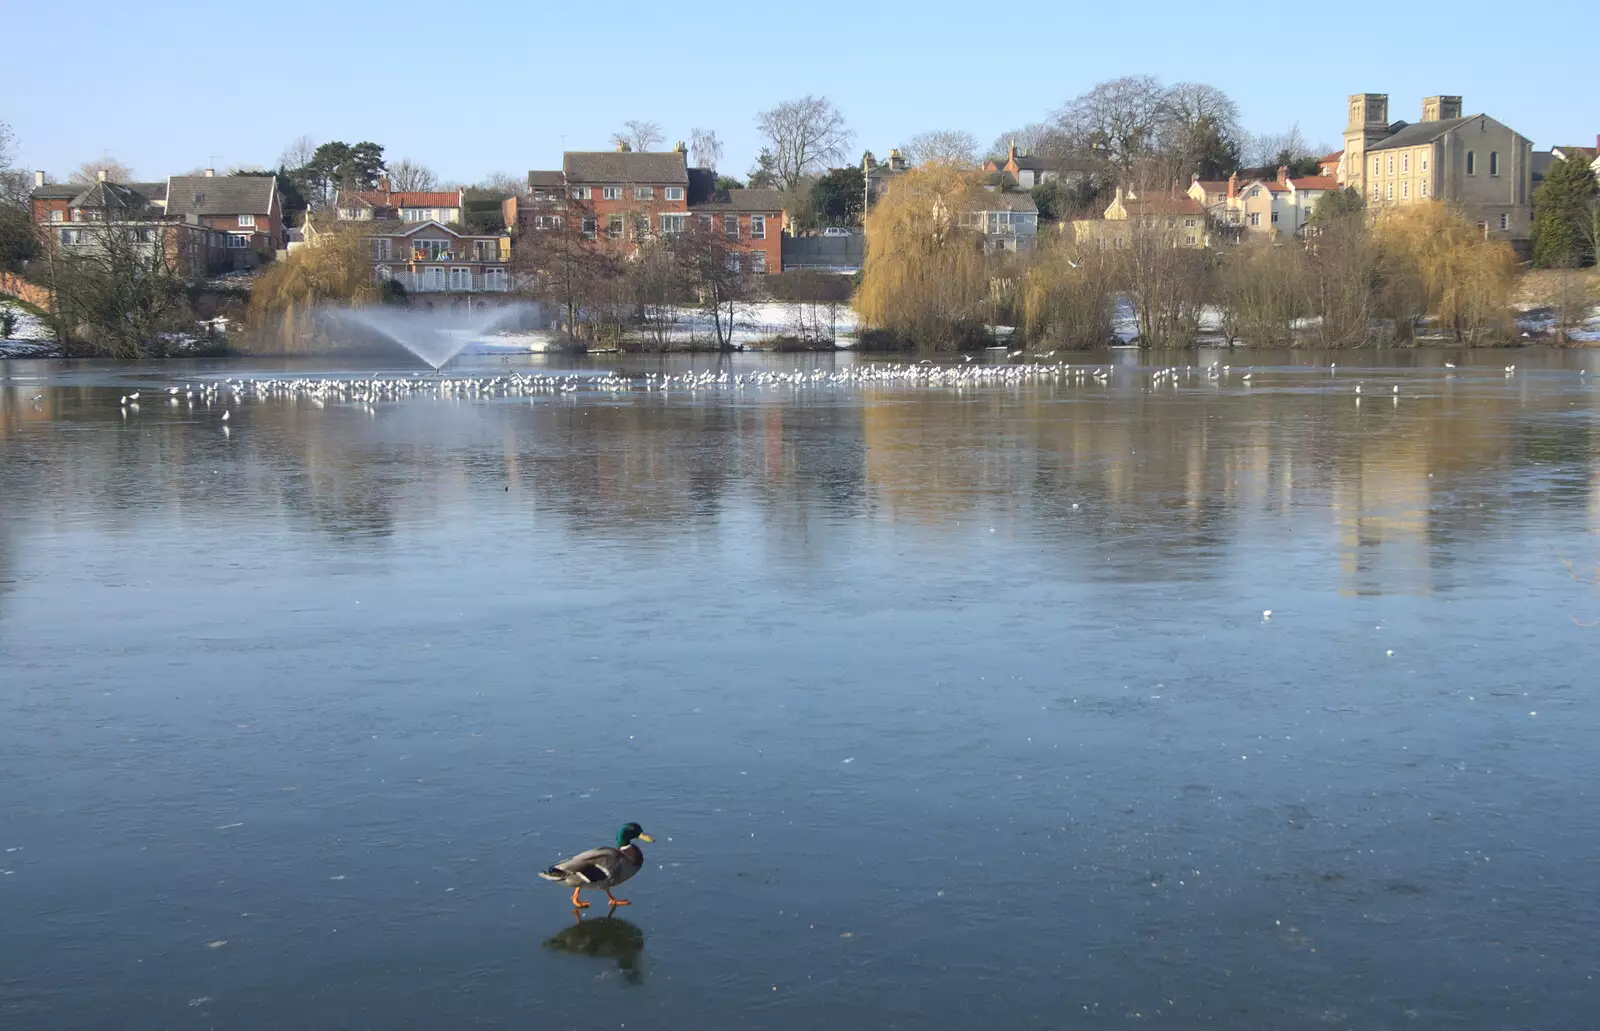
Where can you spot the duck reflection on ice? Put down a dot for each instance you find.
(609, 937)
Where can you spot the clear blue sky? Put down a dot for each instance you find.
(475, 87)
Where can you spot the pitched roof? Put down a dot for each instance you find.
(754, 200)
(552, 178)
(389, 227)
(1003, 201)
(1581, 153)
(1182, 204)
(1418, 133)
(111, 195)
(1212, 185)
(625, 166)
(1315, 182)
(57, 191)
(1037, 163)
(402, 198)
(220, 194)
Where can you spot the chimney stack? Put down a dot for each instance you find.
(622, 147)
(1233, 186)
(383, 184)
(211, 173)
(1283, 173)
(38, 178)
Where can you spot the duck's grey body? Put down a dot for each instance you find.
(598, 868)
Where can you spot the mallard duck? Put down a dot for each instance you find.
(603, 868)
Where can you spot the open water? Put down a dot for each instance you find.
(947, 708)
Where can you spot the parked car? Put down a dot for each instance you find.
(838, 231)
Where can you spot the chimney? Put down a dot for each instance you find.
(682, 148)
(101, 175)
(622, 147)
(383, 184)
(1283, 173)
(38, 178)
(1011, 155)
(211, 173)
(1233, 186)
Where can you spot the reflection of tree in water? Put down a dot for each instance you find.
(608, 938)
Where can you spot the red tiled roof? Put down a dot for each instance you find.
(1213, 185)
(1315, 182)
(415, 199)
(1330, 159)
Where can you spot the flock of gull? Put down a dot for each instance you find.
(369, 392)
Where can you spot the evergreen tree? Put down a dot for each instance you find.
(1558, 213)
(1336, 204)
(764, 176)
(836, 198)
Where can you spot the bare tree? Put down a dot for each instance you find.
(803, 136)
(298, 154)
(14, 183)
(1119, 118)
(638, 135)
(1270, 149)
(1189, 105)
(114, 170)
(942, 146)
(503, 183)
(706, 148)
(408, 176)
(1034, 138)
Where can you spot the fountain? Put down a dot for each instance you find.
(434, 335)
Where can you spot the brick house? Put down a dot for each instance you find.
(80, 219)
(626, 197)
(426, 257)
(1029, 170)
(245, 207)
(443, 206)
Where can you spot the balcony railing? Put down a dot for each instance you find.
(456, 281)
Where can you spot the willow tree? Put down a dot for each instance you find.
(1438, 264)
(1068, 295)
(925, 280)
(336, 269)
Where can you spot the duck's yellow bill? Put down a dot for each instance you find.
(647, 839)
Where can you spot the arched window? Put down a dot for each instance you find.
(1472, 163)
(1494, 162)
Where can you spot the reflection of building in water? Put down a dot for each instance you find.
(1380, 507)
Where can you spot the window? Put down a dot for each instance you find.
(147, 236)
(641, 226)
(1374, 191)
(1505, 222)
(435, 280)
(1405, 162)
(1494, 162)
(1255, 218)
(543, 196)
(1405, 189)
(588, 225)
(758, 262)
(1472, 163)
(611, 192)
(582, 193)
(379, 246)
(461, 279)
(1483, 227)
(70, 237)
(1389, 193)
(705, 223)
(429, 250)
(247, 221)
(673, 223)
(1424, 164)
(1189, 223)
(614, 227)
(1422, 188)
(758, 227)
(733, 263)
(1274, 218)
(730, 226)
(674, 193)
(238, 241)
(349, 213)
(1391, 164)
(547, 222)
(644, 192)
(55, 216)
(494, 279)
(1374, 166)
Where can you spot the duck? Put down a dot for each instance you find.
(602, 868)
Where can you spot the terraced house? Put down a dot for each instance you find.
(1478, 165)
(107, 218)
(442, 263)
(625, 198)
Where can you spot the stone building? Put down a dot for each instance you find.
(1474, 163)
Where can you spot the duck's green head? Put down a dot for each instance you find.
(629, 832)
